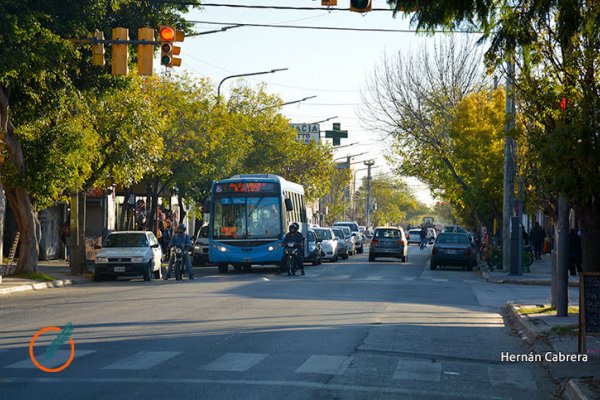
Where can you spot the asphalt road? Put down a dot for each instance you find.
(346, 330)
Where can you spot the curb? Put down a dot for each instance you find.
(537, 282)
(38, 286)
(575, 390)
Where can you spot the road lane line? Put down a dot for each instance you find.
(418, 370)
(143, 360)
(59, 358)
(237, 362)
(330, 365)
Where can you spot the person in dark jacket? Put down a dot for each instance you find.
(181, 239)
(294, 236)
(537, 240)
(574, 253)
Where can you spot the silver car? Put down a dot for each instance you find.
(329, 243)
(342, 243)
(350, 240)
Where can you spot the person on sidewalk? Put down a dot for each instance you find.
(574, 253)
(65, 238)
(537, 240)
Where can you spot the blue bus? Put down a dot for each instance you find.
(249, 216)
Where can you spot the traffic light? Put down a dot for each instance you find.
(168, 35)
(98, 50)
(120, 53)
(361, 6)
(328, 3)
(145, 51)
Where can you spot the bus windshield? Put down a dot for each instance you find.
(247, 218)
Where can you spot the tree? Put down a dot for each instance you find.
(554, 44)
(43, 71)
(421, 102)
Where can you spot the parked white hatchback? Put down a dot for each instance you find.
(129, 253)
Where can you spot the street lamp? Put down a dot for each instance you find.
(325, 120)
(248, 74)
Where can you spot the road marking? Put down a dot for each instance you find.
(374, 278)
(418, 370)
(408, 278)
(235, 362)
(341, 276)
(59, 358)
(330, 365)
(507, 375)
(470, 281)
(451, 373)
(253, 382)
(143, 360)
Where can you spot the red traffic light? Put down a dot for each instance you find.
(167, 33)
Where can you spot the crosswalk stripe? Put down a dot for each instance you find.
(143, 360)
(59, 358)
(418, 370)
(407, 278)
(330, 365)
(507, 375)
(341, 276)
(237, 362)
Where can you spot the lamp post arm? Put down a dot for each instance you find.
(247, 74)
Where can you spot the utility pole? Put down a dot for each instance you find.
(562, 283)
(509, 168)
(369, 164)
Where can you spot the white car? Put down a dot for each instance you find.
(129, 253)
(329, 243)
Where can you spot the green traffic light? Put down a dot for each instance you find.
(165, 60)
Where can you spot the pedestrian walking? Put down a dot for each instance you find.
(537, 240)
(575, 257)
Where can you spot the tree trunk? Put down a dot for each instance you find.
(589, 217)
(17, 198)
(26, 217)
(182, 212)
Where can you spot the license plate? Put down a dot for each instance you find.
(451, 251)
(119, 269)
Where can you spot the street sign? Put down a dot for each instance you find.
(336, 134)
(307, 133)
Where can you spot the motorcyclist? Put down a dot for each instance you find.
(294, 236)
(423, 236)
(180, 239)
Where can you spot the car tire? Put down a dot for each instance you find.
(334, 259)
(371, 257)
(247, 268)
(148, 272)
(345, 256)
(361, 250)
(404, 258)
(223, 268)
(237, 268)
(99, 277)
(432, 266)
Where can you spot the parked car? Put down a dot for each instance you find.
(414, 236)
(129, 253)
(453, 248)
(200, 248)
(314, 248)
(350, 240)
(354, 231)
(329, 243)
(388, 242)
(342, 244)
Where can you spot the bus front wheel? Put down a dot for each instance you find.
(223, 268)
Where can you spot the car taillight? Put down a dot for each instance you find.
(468, 251)
(434, 250)
(400, 242)
(374, 242)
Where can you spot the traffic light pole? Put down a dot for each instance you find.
(509, 169)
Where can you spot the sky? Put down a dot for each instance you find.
(331, 65)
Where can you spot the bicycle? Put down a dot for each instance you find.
(495, 257)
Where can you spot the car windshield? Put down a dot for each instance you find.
(353, 227)
(387, 233)
(453, 239)
(323, 234)
(126, 240)
(339, 233)
(414, 231)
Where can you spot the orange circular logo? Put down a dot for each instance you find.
(35, 361)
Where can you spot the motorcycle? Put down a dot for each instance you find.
(291, 258)
(178, 263)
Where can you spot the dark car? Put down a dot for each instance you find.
(314, 248)
(453, 249)
(388, 242)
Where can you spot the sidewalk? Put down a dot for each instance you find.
(58, 269)
(541, 274)
(578, 379)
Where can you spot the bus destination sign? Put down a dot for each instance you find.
(246, 187)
